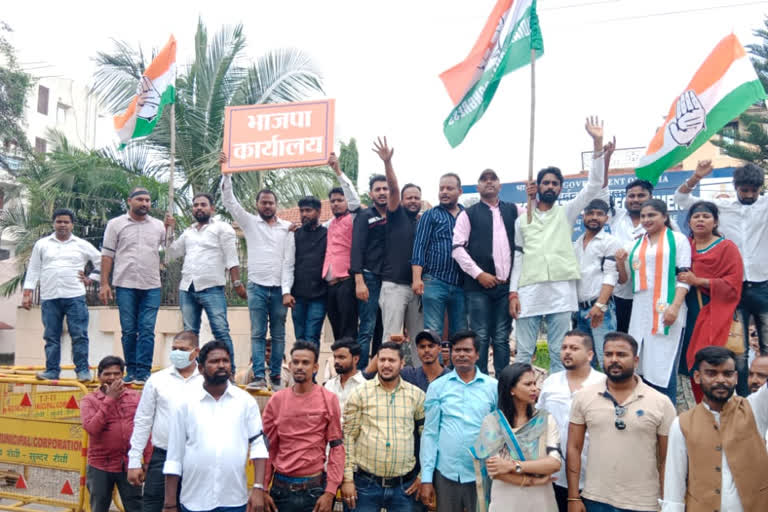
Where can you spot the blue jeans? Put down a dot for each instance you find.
(366, 311)
(265, 305)
(598, 333)
(528, 332)
(241, 508)
(287, 500)
(372, 497)
(439, 296)
(138, 312)
(489, 318)
(214, 302)
(596, 506)
(53, 312)
(308, 316)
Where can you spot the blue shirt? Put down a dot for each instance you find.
(454, 412)
(434, 244)
(417, 377)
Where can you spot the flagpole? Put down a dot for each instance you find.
(533, 126)
(171, 190)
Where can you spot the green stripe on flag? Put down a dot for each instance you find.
(144, 127)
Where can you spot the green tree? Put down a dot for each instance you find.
(349, 159)
(14, 85)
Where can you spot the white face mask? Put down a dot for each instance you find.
(180, 359)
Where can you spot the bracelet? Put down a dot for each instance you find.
(574, 499)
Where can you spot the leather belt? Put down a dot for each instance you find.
(336, 281)
(588, 304)
(391, 481)
(298, 484)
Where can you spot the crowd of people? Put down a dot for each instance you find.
(415, 421)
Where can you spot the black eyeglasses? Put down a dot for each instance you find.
(753, 334)
(619, 410)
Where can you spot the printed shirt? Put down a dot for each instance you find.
(433, 246)
(208, 253)
(57, 264)
(135, 248)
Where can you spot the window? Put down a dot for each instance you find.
(41, 145)
(42, 100)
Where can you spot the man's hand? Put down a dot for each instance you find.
(288, 300)
(576, 506)
(487, 280)
(105, 293)
(256, 501)
(324, 503)
(670, 314)
(222, 158)
(414, 488)
(361, 292)
(269, 503)
(241, 291)
(26, 300)
(703, 168)
(596, 315)
(383, 150)
(514, 306)
(531, 189)
(594, 127)
(170, 222)
(115, 389)
(136, 476)
(418, 287)
(333, 163)
(349, 494)
(427, 494)
(621, 256)
(83, 278)
(294, 226)
(690, 119)
(609, 148)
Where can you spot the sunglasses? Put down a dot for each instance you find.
(619, 411)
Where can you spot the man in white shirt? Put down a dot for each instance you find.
(57, 263)
(595, 250)
(209, 248)
(346, 355)
(556, 396)
(744, 221)
(271, 257)
(211, 437)
(542, 286)
(163, 392)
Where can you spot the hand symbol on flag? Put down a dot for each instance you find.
(690, 119)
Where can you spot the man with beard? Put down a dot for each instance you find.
(308, 295)
(270, 277)
(545, 270)
(487, 267)
(595, 250)
(381, 418)
(209, 248)
(557, 394)
(299, 423)
(436, 275)
(428, 351)
(743, 221)
(399, 305)
(212, 434)
(132, 243)
(346, 354)
(628, 423)
(758, 373)
(721, 468)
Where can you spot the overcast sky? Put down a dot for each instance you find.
(624, 60)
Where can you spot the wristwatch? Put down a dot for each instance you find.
(258, 486)
(237, 284)
(601, 307)
(518, 468)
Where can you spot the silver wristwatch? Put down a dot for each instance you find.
(237, 284)
(601, 307)
(258, 486)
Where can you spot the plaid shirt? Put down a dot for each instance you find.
(379, 428)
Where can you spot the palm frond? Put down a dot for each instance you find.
(117, 75)
(280, 76)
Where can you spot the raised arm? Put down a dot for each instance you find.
(683, 193)
(350, 192)
(231, 203)
(596, 177)
(385, 153)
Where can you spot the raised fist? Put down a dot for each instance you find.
(690, 119)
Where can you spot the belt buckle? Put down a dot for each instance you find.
(296, 487)
(384, 483)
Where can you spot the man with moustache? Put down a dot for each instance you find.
(743, 221)
(367, 261)
(436, 275)
(628, 423)
(545, 270)
(428, 352)
(381, 418)
(399, 305)
(212, 434)
(595, 250)
(299, 423)
(758, 373)
(131, 248)
(556, 396)
(720, 468)
(209, 248)
(455, 407)
(346, 354)
(270, 277)
(342, 302)
(309, 293)
(487, 267)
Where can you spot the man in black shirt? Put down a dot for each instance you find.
(399, 305)
(308, 295)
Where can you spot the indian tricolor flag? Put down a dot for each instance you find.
(723, 87)
(504, 45)
(156, 89)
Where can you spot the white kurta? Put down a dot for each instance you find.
(657, 351)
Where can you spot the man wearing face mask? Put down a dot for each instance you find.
(163, 392)
(744, 221)
(209, 248)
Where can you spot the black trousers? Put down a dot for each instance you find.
(100, 485)
(342, 309)
(623, 313)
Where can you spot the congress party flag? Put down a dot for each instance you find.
(723, 87)
(505, 44)
(156, 89)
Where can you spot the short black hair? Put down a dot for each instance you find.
(60, 212)
(209, 197)
(349, 343)
(265, 191)
(597, 204)
(110, 361)
(210, 346)
(549, 170)
(464, 334)
(391, 345)
(373, 179)
(621, 336)
(335, 190)
(713, 355)
(452, 175)
(748, 175)
(647, 185)
(306, 345)
(310, 202)
(409, 185)
(586, 339)
(190, 336)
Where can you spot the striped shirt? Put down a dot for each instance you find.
(433, 246)
(379, 429)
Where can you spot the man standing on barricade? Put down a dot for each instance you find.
(57, 263)
(163, 391)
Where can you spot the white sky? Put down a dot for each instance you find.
(624, 60)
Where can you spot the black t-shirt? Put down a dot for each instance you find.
(400, 233)
(368, 241)
(308, 282)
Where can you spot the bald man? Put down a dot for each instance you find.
(758, 373)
